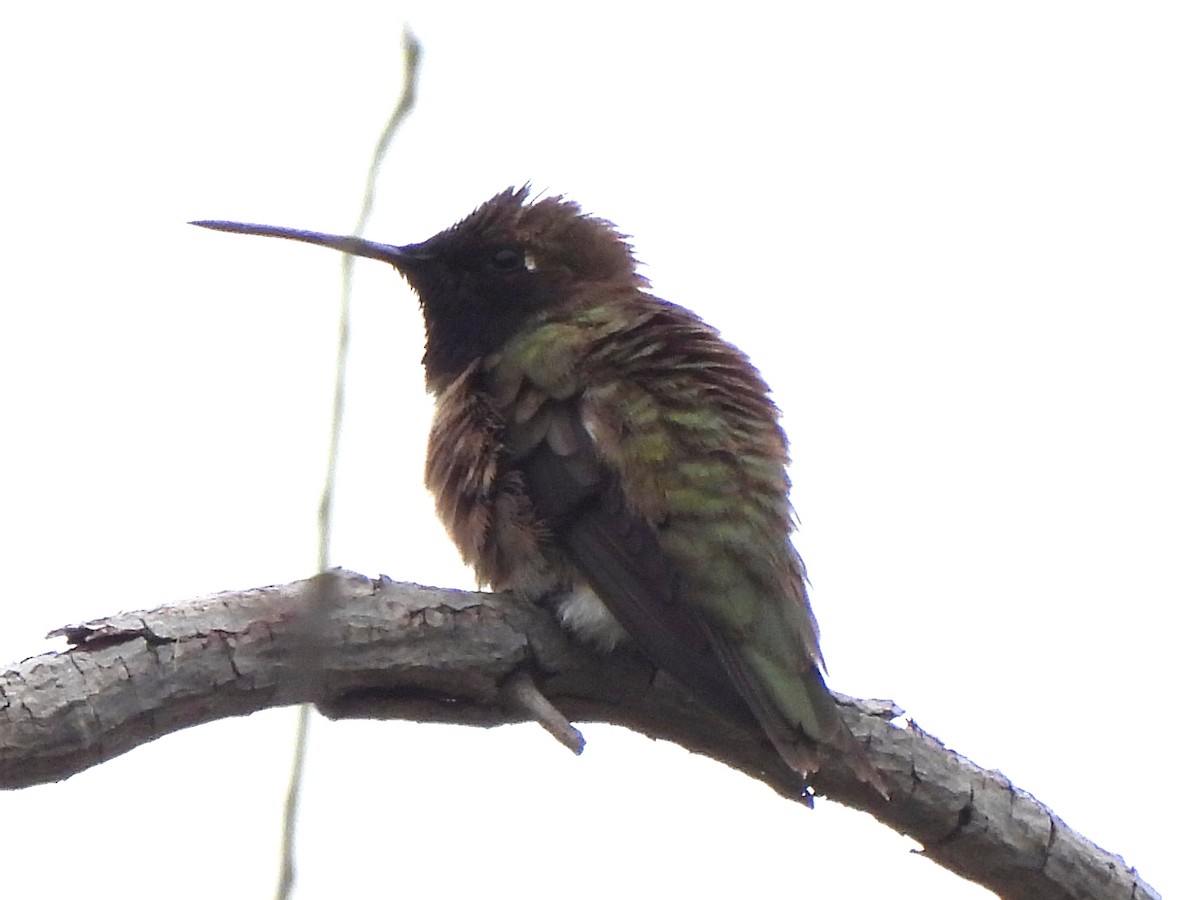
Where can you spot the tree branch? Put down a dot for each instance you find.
(394, 650)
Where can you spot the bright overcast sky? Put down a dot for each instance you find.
(960, 240)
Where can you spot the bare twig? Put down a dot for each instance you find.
(321, 598)
(523, 694)
(431, 655)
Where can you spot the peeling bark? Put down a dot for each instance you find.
(386, 649)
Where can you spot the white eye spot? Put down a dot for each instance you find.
(509, 259)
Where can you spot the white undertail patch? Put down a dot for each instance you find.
(584, 614)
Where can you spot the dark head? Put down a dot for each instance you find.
(481, 279)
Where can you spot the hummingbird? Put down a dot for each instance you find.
(609, 454)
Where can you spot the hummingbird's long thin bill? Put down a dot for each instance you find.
(355, 246)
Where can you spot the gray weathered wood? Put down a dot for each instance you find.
(384, 649)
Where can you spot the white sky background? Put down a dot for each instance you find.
(960, 242)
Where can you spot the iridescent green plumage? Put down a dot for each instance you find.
(609, 452)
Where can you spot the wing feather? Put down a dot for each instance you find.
(657, 466)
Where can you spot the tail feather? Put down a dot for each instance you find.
(814, 717)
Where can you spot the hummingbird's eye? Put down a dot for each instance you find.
(508, 259)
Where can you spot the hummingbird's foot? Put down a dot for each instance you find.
(521, 693)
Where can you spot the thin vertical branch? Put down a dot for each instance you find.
(322, 597)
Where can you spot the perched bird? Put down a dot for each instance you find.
(605, 451)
